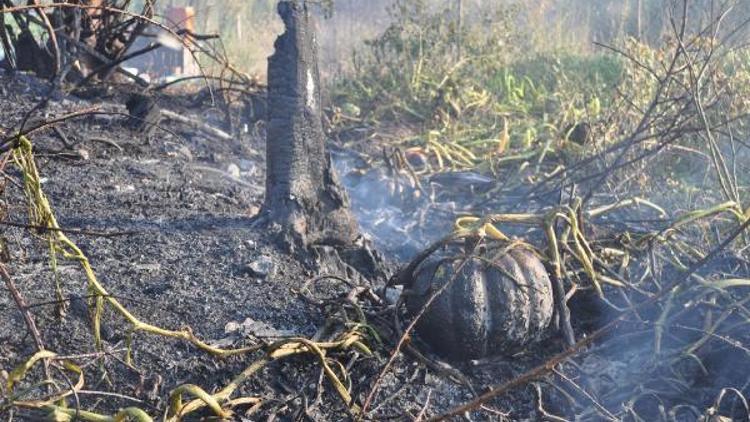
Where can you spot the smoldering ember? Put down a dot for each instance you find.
(375, 210)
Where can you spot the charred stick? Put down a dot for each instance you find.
(22, 306)
(63, 137)
(27, 316)
(556, 277)
(190, 78)
(405, 337)
(196, 36)
(137, 31)
(110, 66)
(563, 311)
(107, 141)
(218, 133)
(8, 143)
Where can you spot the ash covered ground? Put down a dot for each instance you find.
(181, 250)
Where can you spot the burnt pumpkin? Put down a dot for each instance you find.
(498, 303)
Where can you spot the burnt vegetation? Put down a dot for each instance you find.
(421, 211)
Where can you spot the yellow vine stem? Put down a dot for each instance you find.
(19, 373)
(129, 414)
(582, 252)
(40, 214)
(581, 249)
(636, 201)
(219, 403)
(175, 401)
(730, 207)
(275, 351)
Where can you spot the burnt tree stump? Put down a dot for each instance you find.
(303, 194)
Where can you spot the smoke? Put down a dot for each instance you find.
(685, 353)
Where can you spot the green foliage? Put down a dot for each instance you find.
(417, 53)
(472, 92)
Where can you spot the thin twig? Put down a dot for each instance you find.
(27, 316)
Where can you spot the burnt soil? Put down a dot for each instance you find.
(179, 254)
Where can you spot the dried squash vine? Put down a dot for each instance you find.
(352, 336)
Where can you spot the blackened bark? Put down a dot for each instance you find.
(303, 193)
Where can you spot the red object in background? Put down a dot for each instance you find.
(181, 18)
(174, 58)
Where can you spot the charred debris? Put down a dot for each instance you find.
(377, 288)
